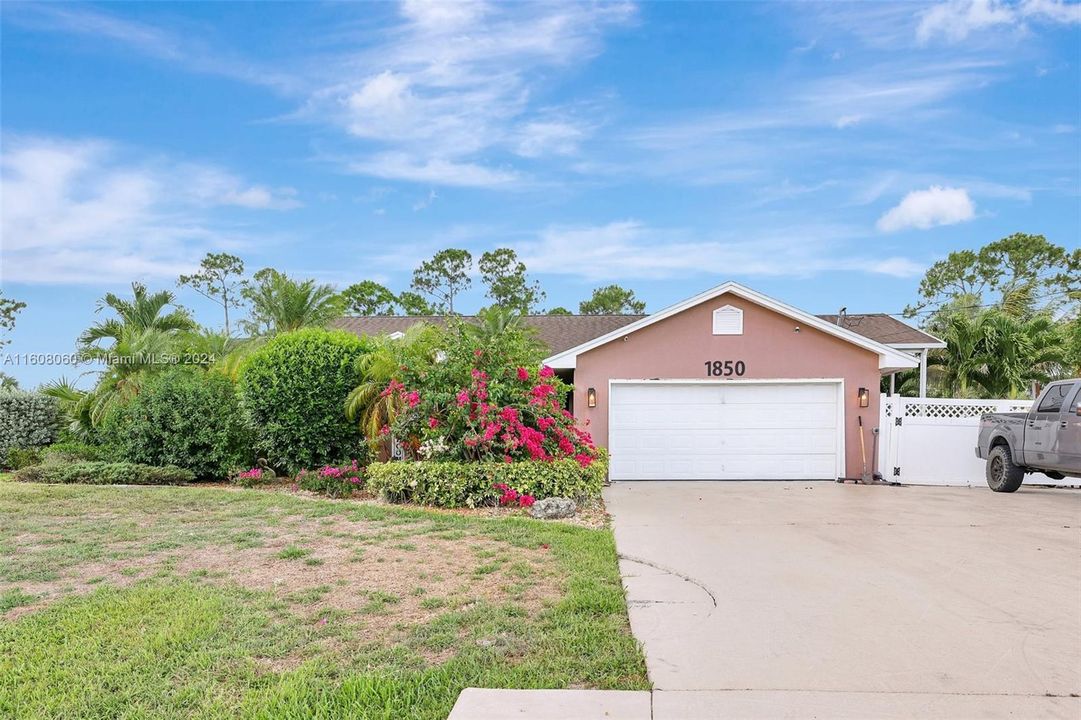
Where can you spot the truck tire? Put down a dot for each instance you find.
(1002, 474)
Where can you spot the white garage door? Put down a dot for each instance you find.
(724, 431)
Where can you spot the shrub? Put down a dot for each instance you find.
(294, 390)
(19, 458)
(471, 484)
(27, 420)
(73, 452)
(332, 480)
(183, 417)
(103, 473)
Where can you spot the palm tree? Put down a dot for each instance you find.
(996, 352)
(74, 404)
(134, 355)
(280, 303)
(366, 404)
(142, 312)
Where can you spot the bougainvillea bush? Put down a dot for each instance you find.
(478, 404)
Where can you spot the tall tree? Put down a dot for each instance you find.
(505, 276)
(999, 269)
(414, 305)
(444, 277)
(559, 311)
(144, 312)
(612, 300)
(8, 310)
(369, 298)
(280, 304)
(220, 279)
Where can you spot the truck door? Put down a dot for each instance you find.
(1042, 426)
(1069, 434)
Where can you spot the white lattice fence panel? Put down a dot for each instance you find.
(932, 441)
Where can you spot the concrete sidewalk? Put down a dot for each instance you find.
(483, 704)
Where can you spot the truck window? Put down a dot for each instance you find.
(1055, 398)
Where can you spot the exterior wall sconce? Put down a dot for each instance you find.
(864, 396)
(591, 397)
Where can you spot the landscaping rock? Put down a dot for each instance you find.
(553, 508)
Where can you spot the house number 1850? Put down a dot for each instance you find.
(725, 368)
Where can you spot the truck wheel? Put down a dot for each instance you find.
(1002, 474)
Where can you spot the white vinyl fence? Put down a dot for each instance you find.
(932, 441)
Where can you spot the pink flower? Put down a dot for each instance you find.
(508, 459)
(413, 398)
(523, 374)
(545, 422)
(433, 423)
(509, 414)
(546, 372)
(584, 460)
(478, 353)
(541, 391)
(463, 398)
(526, 501)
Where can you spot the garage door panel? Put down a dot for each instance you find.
(729, 431)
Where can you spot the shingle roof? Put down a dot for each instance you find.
(563, 332)
(558, 332)
(885, 329)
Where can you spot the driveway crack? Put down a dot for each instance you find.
(670, 571)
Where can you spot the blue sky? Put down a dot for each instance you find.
(822, 153)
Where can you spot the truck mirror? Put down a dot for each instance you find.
(1078, 410)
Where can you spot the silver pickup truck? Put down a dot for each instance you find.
(1046, 439)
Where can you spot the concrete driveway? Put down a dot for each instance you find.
(778, 599)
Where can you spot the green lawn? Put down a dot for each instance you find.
(208, 603)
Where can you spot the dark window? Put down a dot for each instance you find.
(1054, 398)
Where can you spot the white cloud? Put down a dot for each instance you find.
(435, 171)
(77, 211)
(630, 249)
(455, 84)
(544, 137)
(925, 209)
(848, 120)
(955, 20)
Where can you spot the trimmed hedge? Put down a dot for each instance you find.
(27, 421)
(183, 417)
(103, 473)
(74, 452)
(464, 484)
(294, 390)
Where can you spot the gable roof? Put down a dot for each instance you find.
(557, 332)
(888, 358)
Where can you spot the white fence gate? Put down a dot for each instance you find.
(932, 441)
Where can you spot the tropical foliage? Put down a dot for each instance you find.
(182, 417)
(1009, 314)
(28, 421)
(294, 389)
(280, 304)
(457, 484)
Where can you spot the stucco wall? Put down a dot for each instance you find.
(678, 347)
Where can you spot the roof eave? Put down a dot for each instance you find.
(887, 356)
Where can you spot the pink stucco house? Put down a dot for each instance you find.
(727, 385)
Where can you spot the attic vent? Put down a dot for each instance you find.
(728, 320)
(396, 335)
